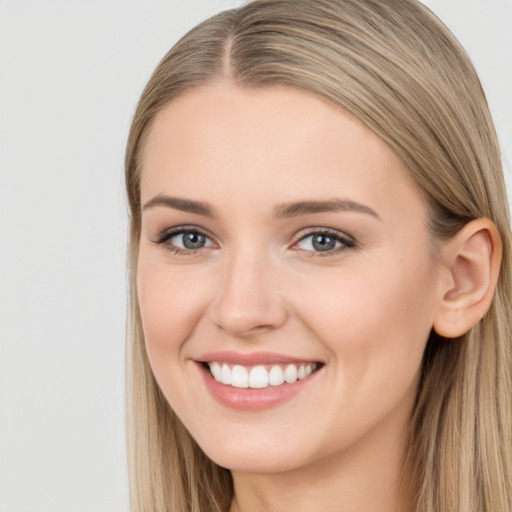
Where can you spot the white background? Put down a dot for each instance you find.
(70, 75)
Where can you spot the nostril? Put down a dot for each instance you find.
(247, 301)
(243, 327)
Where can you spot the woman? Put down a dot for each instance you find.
(320, 268)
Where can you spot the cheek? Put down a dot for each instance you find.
(375, 319)
(170, 305)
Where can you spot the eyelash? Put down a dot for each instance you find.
(164, 237)
(344, 241)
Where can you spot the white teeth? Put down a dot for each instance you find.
(290, 374)
(258, 377)
(239, 377)
(276, 376)
(226, 374)
(216, 371)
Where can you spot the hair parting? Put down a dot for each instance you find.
(398, 69)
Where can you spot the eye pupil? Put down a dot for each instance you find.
(323, 243)
(193, 240)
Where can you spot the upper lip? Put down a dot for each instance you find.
(251, 358)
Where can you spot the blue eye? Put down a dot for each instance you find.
(184, 241)
(190, 240)
(324, 242)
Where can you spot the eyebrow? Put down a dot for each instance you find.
(296, 209)
(284, 211)
(185, 205)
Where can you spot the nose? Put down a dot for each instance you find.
(249, 301)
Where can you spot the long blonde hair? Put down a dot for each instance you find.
(395, 66)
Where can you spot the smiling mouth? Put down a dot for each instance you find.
(260, 376)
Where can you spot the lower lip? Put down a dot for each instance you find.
(249, 399)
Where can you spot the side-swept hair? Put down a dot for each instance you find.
(396, 67)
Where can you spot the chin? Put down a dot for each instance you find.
(255, 463)
(252, 455)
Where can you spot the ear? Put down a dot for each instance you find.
(472, 259)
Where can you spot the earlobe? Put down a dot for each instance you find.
(472, 259)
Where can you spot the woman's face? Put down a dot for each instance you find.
(280, 236)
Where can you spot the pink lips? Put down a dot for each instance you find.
(248, 359)
(251, 399)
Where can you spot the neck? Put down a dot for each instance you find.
(366, 477)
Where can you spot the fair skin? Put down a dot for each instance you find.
(346, 281)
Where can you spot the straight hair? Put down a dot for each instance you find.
(397, 68)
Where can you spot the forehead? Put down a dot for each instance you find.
(275, 143)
